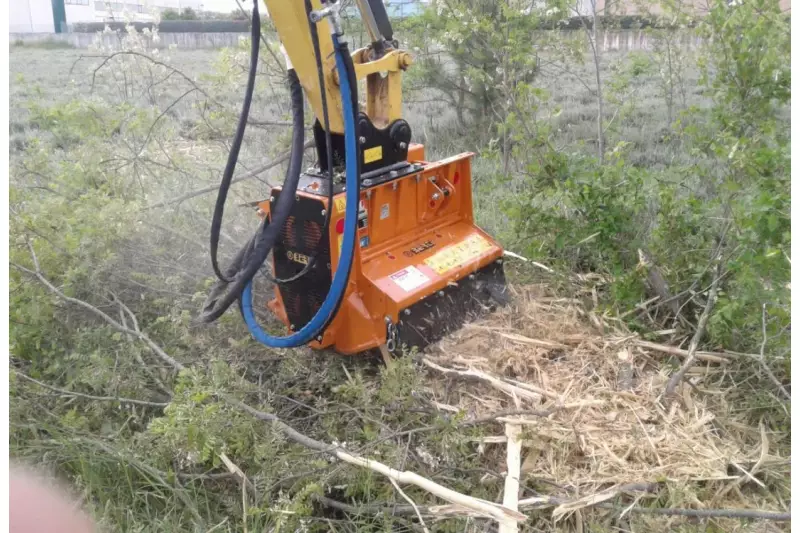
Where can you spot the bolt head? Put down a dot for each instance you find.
(362, 140)
(440, 293)
(472, 277)
(403, 146)
(407, 312)
(323, 213)
(291, 327)
(271, 199)
(435, 196)
(319, 338)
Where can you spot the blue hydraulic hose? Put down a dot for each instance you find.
(340, 278)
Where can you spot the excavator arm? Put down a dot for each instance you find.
(373, 246)
(385, 135)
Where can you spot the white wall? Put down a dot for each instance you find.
(30, 16)
(180, 4)
(76, 13)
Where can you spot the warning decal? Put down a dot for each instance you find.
(340, 204)
(373, 154)
(409, 278)
(458, 254)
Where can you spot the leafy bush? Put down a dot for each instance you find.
(733, 199)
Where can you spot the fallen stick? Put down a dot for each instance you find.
(484, 508)
(413, 505)
(513, 465)
(439, 511)
(751, 514)
(526, 260)
(493, 381)
(710, 357)
(692, 356)
(533, 342)
(89, 396)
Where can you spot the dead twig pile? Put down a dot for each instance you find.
(601, 423)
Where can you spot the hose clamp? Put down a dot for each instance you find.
(332, 12)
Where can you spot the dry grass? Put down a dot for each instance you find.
(605, 424)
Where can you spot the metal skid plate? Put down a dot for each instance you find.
(445, 311)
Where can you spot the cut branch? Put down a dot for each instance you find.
(482, 376)
(692, 357)
(709, 357)
(762, 358)
(484, 508)
(412, 504)
(249, 175)
(89, 396)
(513, 466)
(113, 323)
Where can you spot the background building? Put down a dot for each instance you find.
(141, 10)
(54, 16)
(30, 16)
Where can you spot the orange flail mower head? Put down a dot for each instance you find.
(421, 269)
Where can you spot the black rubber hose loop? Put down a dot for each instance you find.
(233, 155)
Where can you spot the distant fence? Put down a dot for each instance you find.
(167, 26)
(187, 41)
(638, 40)
(610, 41)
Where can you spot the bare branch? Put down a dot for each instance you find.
(486, 509)
(669, 392)
(161, 115)
(113, 323)
(709, 357)
(751, 514)
(89, 396)
(250, 175)
(411, 502)
(762, 358)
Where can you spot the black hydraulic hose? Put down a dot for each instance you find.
(312, 26)
(233, 155)
(268, 232)
(252, 256)
(345, 52)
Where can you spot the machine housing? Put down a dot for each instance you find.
(422, 266)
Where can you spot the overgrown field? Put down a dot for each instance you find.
(642, 367)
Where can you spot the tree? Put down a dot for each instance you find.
(188, 14)
(170, 14)
(473, 52)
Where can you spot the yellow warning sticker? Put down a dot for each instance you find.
(340, 204)
(373, 154)
(458, 254)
